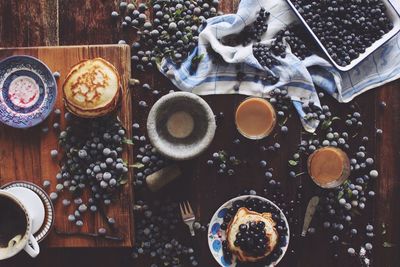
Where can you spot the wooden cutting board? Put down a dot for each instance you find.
(25, 154)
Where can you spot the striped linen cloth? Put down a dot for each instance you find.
(298, 77)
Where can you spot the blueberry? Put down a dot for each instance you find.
(368, 246)
(82, 208)
(71, 218)
(59, 187)
(46, 183)
(82, 154)
(53, 196)
(66, 202)
(351, 251)
(54, 153)
(374, 174)
(102, 231)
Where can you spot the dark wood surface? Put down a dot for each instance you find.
(31, 148)
(65, 22)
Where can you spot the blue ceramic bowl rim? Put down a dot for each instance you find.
(215, 218)
(45, 112)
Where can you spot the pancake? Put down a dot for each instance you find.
(245, 216)
(92, 88)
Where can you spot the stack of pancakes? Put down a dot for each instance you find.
(244, 216)
(92, 88)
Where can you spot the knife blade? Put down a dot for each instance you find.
(311, 207)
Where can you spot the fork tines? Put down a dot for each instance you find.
(187, 215)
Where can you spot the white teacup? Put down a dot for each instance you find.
(15, 228)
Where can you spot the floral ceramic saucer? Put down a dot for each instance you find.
(216, 235)
(28, 91)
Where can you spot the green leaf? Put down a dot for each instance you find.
(388, 245)
(178, 12)
(123, 181)
(197, 59)
(346, 183)
(327, 123)
(236, 162)
(223, 156)
(293, 162)
(349, 192)
(136, 165)
(127, 141)
(340, 195)
(284, 121)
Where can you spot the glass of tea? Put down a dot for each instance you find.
(328, 167)
(255, 118)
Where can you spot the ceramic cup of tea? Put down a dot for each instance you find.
(15, 228)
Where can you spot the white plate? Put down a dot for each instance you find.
(393, 13)
(216, 235)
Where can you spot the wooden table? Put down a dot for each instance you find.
(33, 23)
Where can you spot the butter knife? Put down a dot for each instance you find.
(311, 207)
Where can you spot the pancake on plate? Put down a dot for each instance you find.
(251, 235)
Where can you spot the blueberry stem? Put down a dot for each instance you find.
(94, 235)
(105, 217)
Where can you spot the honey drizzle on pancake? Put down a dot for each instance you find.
(89, 79)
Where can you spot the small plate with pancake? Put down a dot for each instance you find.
(242, 210)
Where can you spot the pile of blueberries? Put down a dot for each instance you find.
(171, 32)
(267, 55)
(92, 159)
(345, 27)
(264, 55)
(294, 36)
(253, 32)
(252, 238)
(224, 162)
(155, 227)
(339, 207)
(260, 206)
(158, 221)
(151, 162)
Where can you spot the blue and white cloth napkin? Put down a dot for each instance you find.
(299, 77)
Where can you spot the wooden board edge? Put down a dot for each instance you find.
(65, 46)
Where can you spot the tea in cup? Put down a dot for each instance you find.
(329, 167)
(15, 228)
(255, 118)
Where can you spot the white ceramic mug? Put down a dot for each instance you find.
(24, 241)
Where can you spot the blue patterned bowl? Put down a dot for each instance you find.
(28, 91)
(216, 235)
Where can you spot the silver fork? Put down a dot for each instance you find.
(187, 215)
